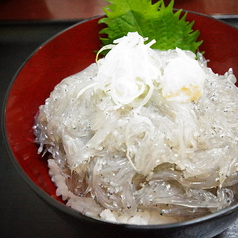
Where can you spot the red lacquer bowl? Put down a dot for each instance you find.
(66, 54)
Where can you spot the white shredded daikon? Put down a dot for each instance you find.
(143, 136)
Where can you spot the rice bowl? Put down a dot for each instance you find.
(33, 110)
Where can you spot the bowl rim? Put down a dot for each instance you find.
(68, 210)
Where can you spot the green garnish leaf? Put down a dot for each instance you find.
(155, 21)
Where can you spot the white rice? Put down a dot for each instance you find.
(159, 162)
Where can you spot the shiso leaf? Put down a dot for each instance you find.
(155, 21)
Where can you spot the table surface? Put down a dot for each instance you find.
(75, 9)
(22, 212)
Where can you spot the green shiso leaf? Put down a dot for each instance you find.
(155, 21)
